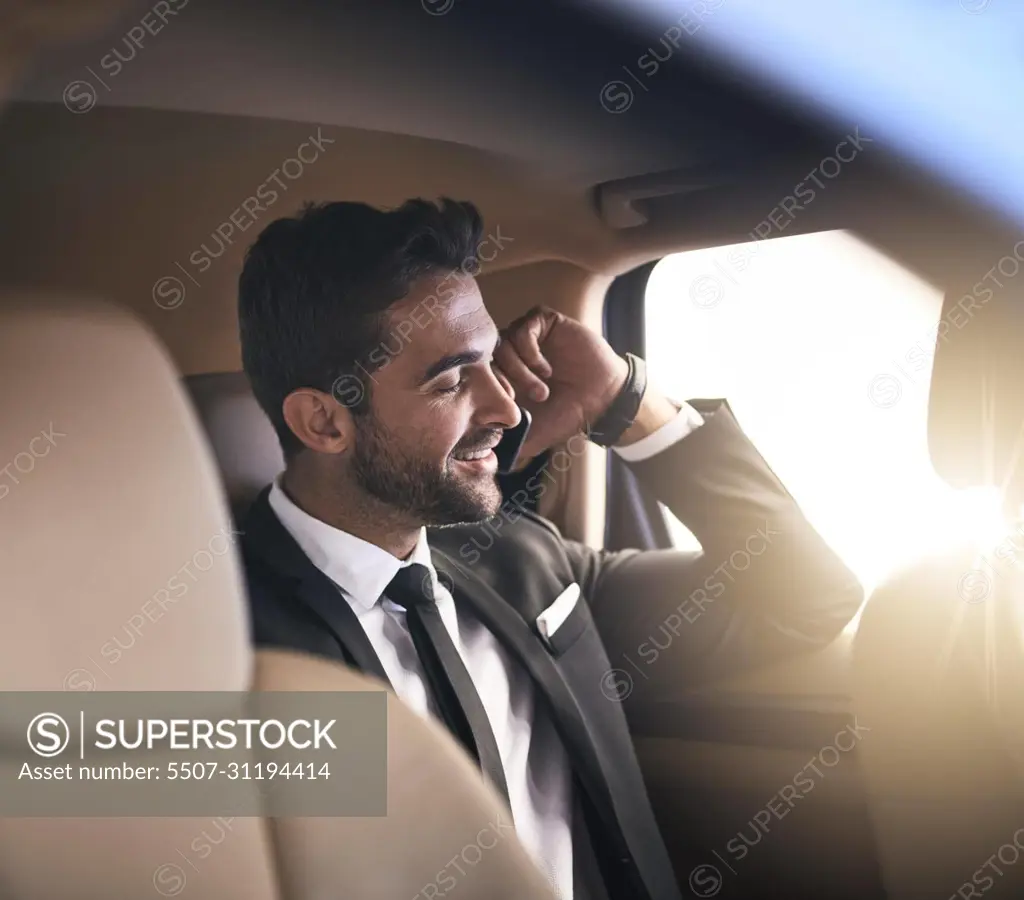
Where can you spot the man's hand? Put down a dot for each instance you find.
(562, 372)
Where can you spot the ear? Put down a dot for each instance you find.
(318, 420)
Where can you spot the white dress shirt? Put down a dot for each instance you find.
(536, 765)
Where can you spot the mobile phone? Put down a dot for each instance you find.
(511, 443)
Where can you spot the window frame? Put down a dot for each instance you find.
(817, 684)
(632, 515)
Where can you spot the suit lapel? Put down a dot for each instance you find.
(509, 627)
(270, 543)
(275, 547)
(321, 595)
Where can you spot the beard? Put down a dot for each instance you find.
(413, 485)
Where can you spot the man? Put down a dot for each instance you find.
(367, 344)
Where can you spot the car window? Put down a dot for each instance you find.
(824, 349)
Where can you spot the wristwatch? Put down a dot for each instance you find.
(607, 430)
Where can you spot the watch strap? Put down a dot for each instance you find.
(608, 429)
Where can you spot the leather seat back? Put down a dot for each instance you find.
(446, 832)
(938, 691)
(939, 657)
(112, 503)
(117, 573)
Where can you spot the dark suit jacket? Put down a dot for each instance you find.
(764, 585)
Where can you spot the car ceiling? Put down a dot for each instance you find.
(522, 79)
(519, 80)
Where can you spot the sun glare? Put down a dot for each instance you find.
(976, 516)
(823, 348)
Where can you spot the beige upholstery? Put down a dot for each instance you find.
(939, 655)
(444, 828)
(111, 493)
(33, 26)
(937, 682)
(116, 492)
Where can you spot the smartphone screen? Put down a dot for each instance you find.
(511, 443)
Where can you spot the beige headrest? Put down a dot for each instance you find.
(118, 568)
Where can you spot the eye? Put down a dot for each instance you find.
(454, 389)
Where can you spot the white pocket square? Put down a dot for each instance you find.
(549, 621)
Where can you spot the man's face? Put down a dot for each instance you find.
(437, 408)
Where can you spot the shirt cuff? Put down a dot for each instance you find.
(670, 433)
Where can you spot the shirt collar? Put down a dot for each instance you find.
(361, 569)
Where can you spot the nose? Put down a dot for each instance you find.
(500, 407)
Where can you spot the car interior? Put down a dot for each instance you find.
(633, 178)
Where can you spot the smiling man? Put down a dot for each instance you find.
(388, 430)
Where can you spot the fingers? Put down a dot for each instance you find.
(518, 373)
(519, 353)
(527, 342)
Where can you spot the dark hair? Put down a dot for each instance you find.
(315, 289)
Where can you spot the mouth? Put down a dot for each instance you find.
(473, 455)
(481, 460)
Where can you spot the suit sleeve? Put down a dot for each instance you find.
(763, 586)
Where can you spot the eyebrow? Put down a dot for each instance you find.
(453, 361)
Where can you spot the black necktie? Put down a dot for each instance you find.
(452, 687)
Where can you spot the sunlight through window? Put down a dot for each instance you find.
(824, 349)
